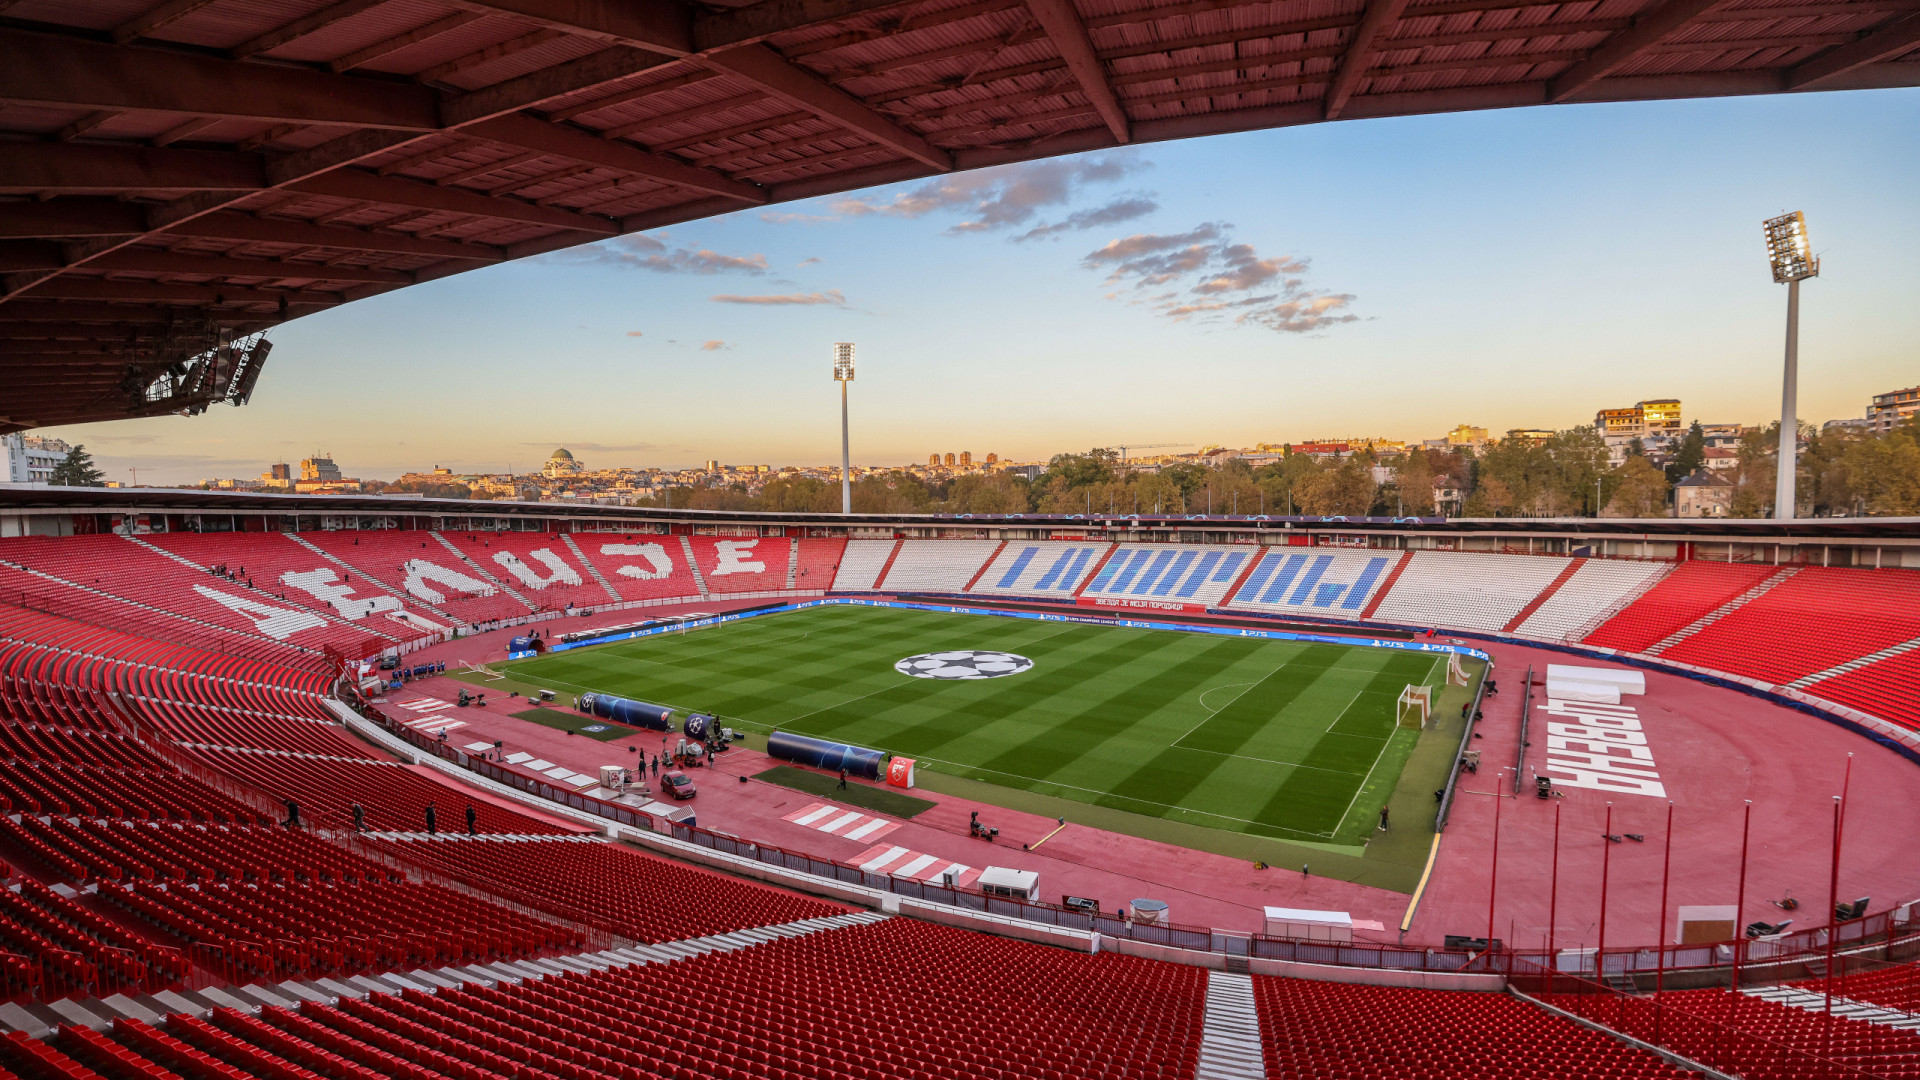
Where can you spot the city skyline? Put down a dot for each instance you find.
(1507, 270)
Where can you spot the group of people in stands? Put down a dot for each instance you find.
(432, 814)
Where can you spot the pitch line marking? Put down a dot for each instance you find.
(1146, 802)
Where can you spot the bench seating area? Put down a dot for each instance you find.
(60, 948)
(742, 564)
(1321, 1029)
(609, 887)
(641, 566)
(1191, 575)
(1888, 688)
(290, 571)
(1880, 1051)
(1597, 588)
(1814, 620)
(936, 566)
(1315, 583)
(1467, 589)
(1051, 569)
(861, 563)
(538, 566)
(1694, 589)
(314, 930)
(818, 562)
(394, 796)
(208, 726)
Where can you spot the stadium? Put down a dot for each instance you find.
(337, 786)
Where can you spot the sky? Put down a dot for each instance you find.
(1388, 277)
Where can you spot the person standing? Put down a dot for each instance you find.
(843, 779)
(433, 820)
(473, 831)
(293, 813)
(359, 818)
(1383, 819)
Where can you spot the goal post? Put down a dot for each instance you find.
(1415, 706)
(1456, 671)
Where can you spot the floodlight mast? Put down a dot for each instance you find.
(843, 374)
(1793, 261)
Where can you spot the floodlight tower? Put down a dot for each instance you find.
(843, 374)
(1793, 261)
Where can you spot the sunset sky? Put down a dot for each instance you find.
(1519, 268)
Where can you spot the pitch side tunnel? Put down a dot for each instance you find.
(180, 177)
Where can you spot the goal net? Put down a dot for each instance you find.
(1456, 671)
(1414, 707)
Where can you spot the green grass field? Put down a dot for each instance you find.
(1288, 740)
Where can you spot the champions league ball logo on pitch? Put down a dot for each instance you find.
(963, 664)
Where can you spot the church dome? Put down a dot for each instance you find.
(561, 454)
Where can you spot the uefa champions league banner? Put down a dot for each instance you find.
(1038, 616)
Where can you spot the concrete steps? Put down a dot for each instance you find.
(1230, 1033)
(1814, 1001)
(39, 1019)
(581, 558)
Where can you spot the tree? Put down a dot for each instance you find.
(77, 470)
(1414, 478)
(1884, 472)
(1640, 490)
(1346, 489)
(1690, 457)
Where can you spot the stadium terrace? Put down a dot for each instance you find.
(326, 785)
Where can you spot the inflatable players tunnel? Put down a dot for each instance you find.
(831, 756)
(637, 714)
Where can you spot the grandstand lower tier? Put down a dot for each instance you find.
(181, 819)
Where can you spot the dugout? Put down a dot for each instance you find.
(1309, 925)
(636, 714)
(1011, 884)
(823, 754)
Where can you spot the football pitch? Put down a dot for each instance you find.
(1289, 740)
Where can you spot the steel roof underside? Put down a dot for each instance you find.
(240, 163)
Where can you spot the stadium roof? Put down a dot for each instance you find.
(185, 173)
(39, 500)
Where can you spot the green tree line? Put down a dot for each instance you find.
(1843, 471)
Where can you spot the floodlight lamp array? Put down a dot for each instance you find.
(843, 361)
(1788, 249)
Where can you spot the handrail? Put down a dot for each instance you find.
(1708, 1042)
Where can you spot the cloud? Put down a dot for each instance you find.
(775, 217)
(593, 447)
(635, 333)
(998, 198)
(832, 297)
(1122, 209)
(811, 259)
(714, 346)
(1216, 279)
(639, 252)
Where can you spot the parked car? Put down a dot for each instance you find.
(678, 785)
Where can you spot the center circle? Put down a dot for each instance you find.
(963, 664)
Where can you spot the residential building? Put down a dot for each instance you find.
(30, 459)
(1722, 459)
(1890, 408)
(1661, 415)
(1530, 436)
(1704, 494)
(1468, 436)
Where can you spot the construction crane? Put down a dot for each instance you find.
(1124, 447)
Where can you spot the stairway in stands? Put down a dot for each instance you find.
(581, 558)
(498, 583)
(693, 565)
(405, 598)
(1230, 1035)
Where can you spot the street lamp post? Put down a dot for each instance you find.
(843, 374)
(1793, 261)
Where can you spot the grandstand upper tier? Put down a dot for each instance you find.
(180, 175)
